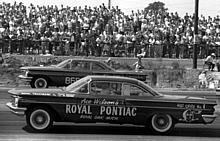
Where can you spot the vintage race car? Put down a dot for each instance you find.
(71, 70)
(109, 99)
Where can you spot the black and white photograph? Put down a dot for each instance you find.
(109, 70)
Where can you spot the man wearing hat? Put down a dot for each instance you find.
(210, 61)
(138, 65)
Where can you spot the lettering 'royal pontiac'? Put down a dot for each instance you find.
(110, 99)
(103, 110)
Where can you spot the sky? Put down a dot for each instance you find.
(206, 7)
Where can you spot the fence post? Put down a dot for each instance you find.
(218, 96)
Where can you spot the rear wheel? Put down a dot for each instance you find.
(39, 119)
(161, 123)
(39, 83)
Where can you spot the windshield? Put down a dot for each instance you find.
(63, 63)
(77, 84)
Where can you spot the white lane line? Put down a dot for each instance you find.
(9, 122)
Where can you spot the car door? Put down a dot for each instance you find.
(109, 104)
(140, 100)
(79, 108)
(64, 75)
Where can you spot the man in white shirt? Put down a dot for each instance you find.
(210, 61)
(203, 82)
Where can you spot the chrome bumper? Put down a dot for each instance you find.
(16, 110)
(25, 78)
(209, 118)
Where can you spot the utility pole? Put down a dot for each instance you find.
(109, 4)
(195, 34)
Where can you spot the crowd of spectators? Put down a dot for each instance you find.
(103, 31)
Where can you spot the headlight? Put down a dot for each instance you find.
(15, 100)
(26, 72)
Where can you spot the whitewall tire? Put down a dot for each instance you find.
(40, 83)
(161, 123)
(40, 119)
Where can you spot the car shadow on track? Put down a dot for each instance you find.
(85, 129)
(127, 130)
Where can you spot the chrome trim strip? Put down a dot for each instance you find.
(25, 77)
(176, 101)
(16, 110)
(138, 106)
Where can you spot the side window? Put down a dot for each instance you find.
(133, 90)
(115, 88)
(74, 64)
(97, 67)
(81, 66)
(105, 88)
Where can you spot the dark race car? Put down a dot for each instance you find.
(71, 70)
(110, 99)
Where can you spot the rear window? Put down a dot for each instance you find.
(134, 90)
(98, 67)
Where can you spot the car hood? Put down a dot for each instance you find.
(39, 68)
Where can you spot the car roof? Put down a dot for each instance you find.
(91, 60)
(112, 78)
(86, 59)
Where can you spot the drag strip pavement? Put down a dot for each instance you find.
(9, 123)
(14, 127)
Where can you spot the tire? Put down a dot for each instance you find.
(39, 119)
(161, 123)
(39, 83)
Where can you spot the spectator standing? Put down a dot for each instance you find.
(138, 65)
(1, 58)
(44, 44)
(38, 19)
(203, 83)
(72, 43)
(210, 61)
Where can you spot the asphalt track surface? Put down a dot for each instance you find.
(14, 128)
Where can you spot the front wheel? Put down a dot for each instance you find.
(39, 119)
(161, 123)
(39, 83)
